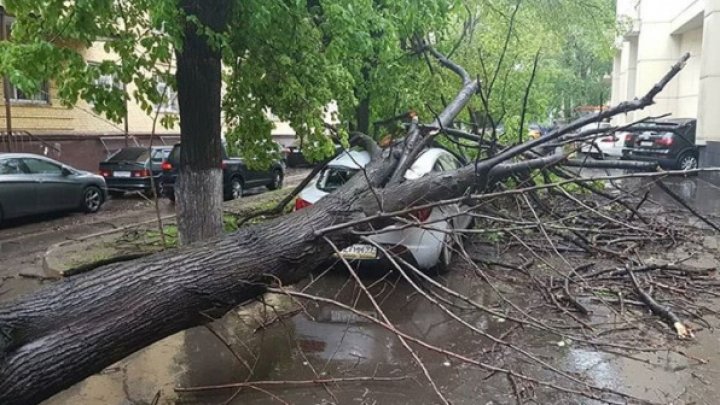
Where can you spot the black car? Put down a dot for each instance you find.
(237, 177)
(131, 169)
(669, 142)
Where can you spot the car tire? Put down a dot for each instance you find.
(92, 199)
(277, 180)
(687, 161)
(116, 194)
(236, 189)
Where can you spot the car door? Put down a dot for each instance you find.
(57, 190)
(18, 189)
(252, 177)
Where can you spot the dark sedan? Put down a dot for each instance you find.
(670, 142)
(33, 184)
(237, 177)
(134, 169)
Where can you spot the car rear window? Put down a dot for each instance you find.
(137, 155)
(332, 178)
(159, 154)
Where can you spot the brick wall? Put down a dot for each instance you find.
(82, 151)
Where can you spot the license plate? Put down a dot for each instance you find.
(646, 143)
(359, 252)
(121, 174)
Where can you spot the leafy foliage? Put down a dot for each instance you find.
(312, 60)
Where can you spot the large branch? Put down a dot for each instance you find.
(622, 108)
(415, 142)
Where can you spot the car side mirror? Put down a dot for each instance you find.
(66, 171)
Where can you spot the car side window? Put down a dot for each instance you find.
(38, 166)
(448, 162)
(11, 166)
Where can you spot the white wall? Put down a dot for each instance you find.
(689, 79)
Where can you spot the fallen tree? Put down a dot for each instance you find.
(72, 329)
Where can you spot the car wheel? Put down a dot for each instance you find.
(236, 188)
(277, 181)
(687, 161)
(92, 199)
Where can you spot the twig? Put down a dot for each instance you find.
(320, 381)
(379, 310)
(663, 312)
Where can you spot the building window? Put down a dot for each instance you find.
(107, 82)
(42, 96)
(169, 104)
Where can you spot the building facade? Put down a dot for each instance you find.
(655, 34)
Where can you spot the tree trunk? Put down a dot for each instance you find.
(362, 115)
(65, 332)
(199, 189)
(70, 330)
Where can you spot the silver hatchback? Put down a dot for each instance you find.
(34, 184)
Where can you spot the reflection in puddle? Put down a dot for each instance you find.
(324, 341)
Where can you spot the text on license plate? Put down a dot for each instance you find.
(121, 174)
(646, 143)
(359, 252)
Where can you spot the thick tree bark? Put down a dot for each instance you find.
(362, 115)
(199, 190)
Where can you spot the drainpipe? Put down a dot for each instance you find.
(6, 85)
(127, 125)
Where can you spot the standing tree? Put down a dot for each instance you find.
(199, 80)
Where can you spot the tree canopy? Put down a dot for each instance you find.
(296, 58)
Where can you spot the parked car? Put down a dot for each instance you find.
(237, 177)
(669, 142)
(131, 169)
(607, 145)
(428, 248)
(33, 184)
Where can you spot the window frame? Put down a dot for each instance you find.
(169, 103)
(21, 166)
(14, 93)
(30, 170)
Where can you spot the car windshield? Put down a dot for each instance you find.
(331, 178)
(138, 155)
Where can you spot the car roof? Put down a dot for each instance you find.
(8, 155)
(357, 159)
(669, 122)
(352, 159)
(146, 147)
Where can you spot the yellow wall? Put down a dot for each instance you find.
(81, 119)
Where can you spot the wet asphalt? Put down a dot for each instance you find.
(324, 341)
